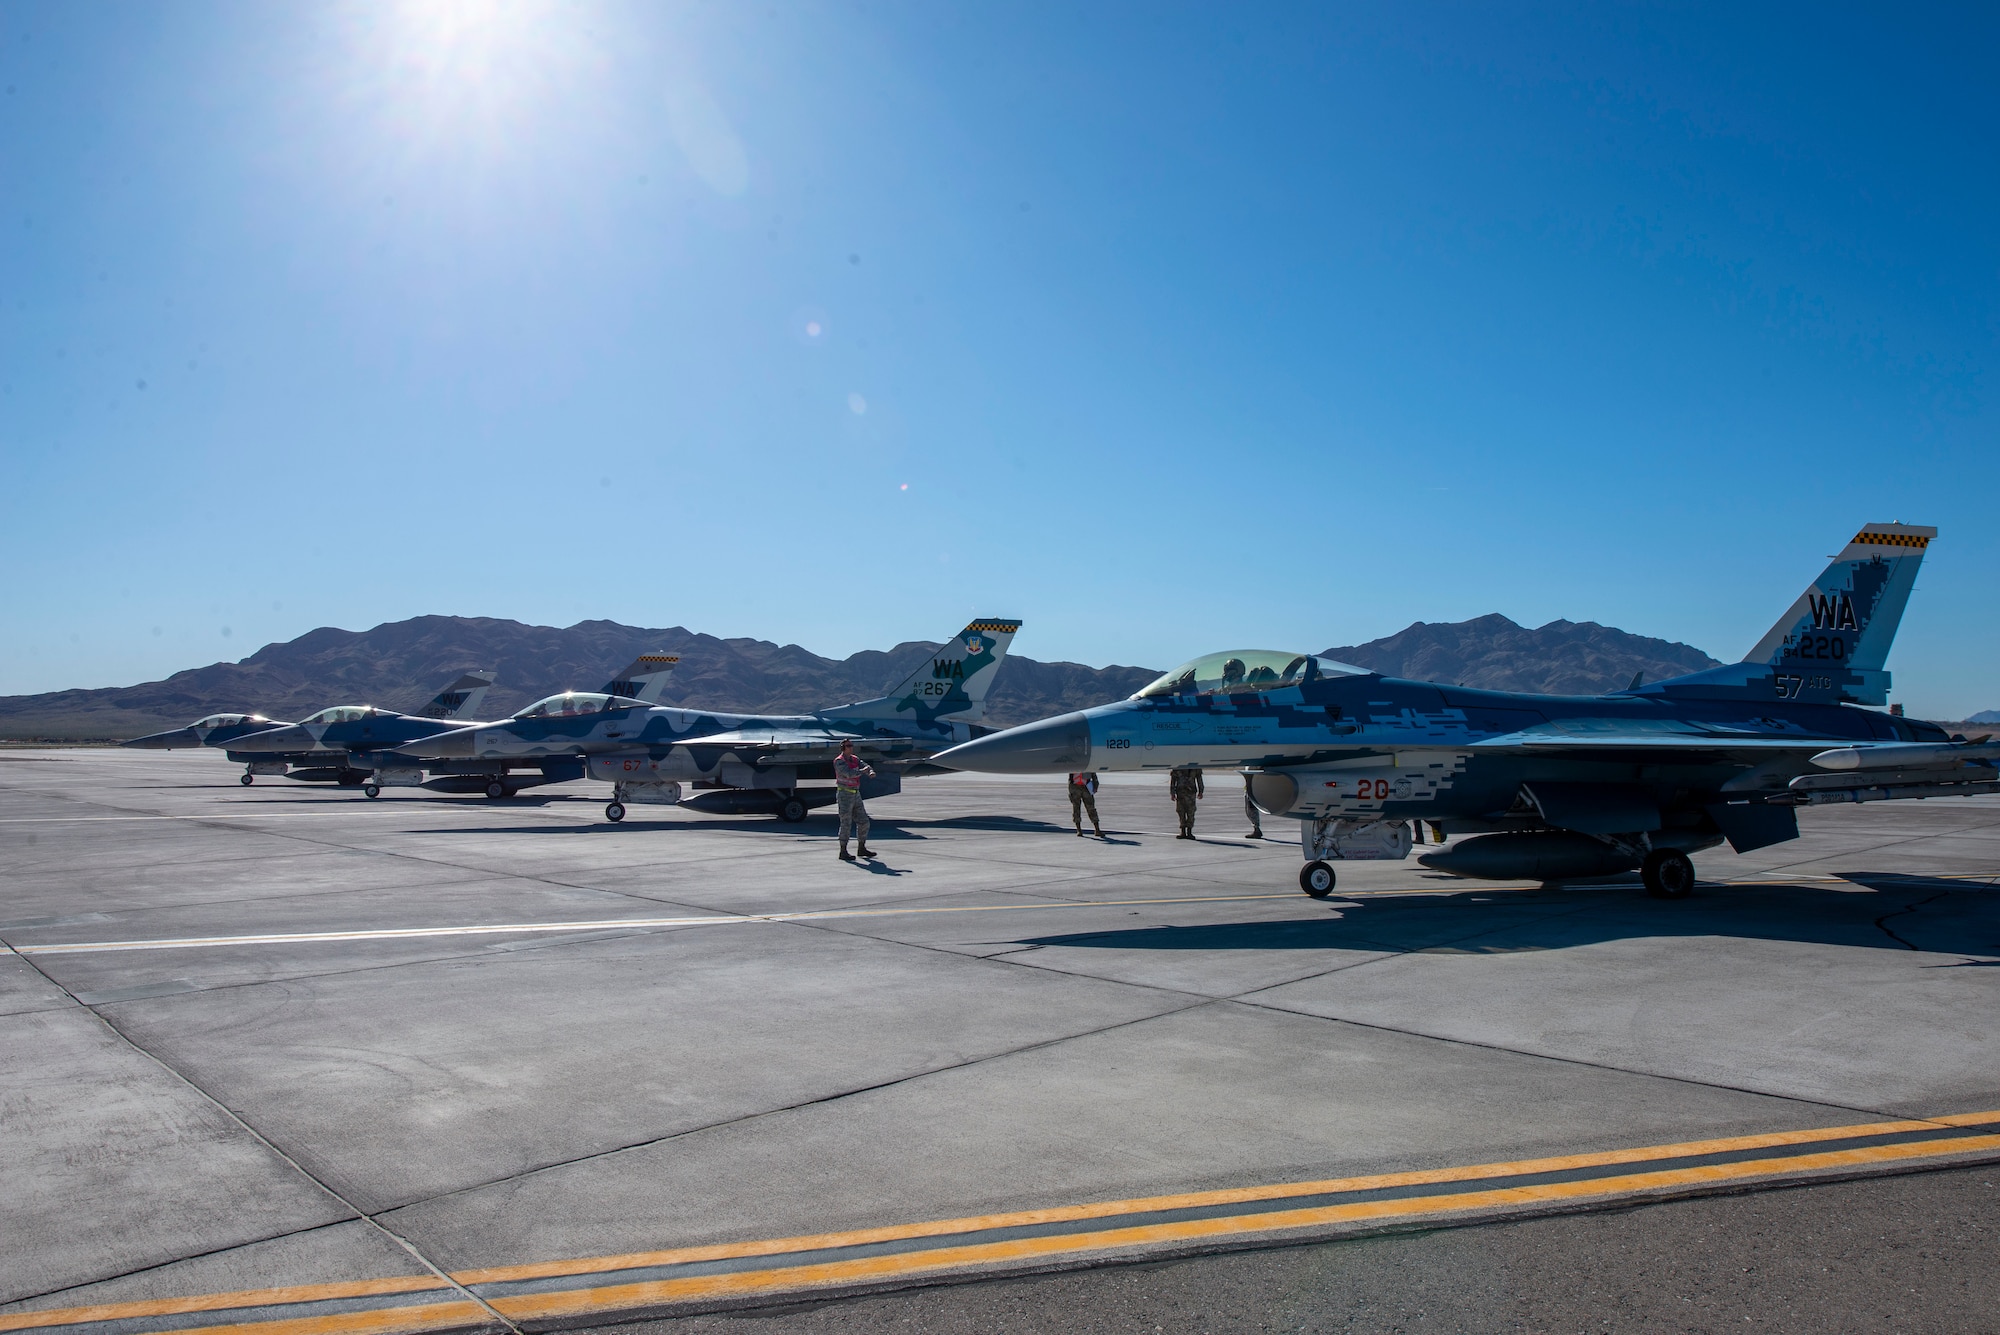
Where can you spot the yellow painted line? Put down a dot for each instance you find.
(792, 1278)
(386, 1321)
(210, 1302)
(1188, 1200)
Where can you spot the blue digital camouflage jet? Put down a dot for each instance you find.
(319, 749)
(1556, 787)
(749, 763)
(217, 730)
(642, 680)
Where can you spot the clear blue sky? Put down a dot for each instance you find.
(1165, 328)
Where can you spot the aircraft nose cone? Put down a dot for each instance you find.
(164, 741)
(275, 741)
(1059, 745)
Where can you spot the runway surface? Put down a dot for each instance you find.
(281, 1058)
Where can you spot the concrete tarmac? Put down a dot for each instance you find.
(285, 1038)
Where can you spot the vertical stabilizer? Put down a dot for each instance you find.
(644, 678)
(951, 683)
(461, 699)
(1833, 643)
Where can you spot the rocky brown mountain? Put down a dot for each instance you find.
(1494, 653)
(402, 663)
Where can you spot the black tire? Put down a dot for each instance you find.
(1668, 874)
(246, 779)
(614, 812)
(792, 810)
(372, 789)
(1317, 879)
(496, 789)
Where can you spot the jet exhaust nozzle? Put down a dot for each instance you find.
(1059, 745)
(1533, 855)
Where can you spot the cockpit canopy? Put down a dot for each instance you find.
(572, 703)
(342, 714)
(1240, 670)
(230, 720)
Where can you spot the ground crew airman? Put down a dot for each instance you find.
(848, 772)
(1082, 798)
(1186, 787)
(1250, 810)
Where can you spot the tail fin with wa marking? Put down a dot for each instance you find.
(951, 683)
(644, 678)
(1833, 643)
(461, 699)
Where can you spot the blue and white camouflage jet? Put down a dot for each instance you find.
(1555, 787)
(643, 680)
(217, 730)
(750, 763)
(320, 749)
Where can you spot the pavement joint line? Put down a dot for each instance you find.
(715, 919)
(586, 924)
(494, 1318)
(703, 1277)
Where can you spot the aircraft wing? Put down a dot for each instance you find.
(770, 744)
(1524, 742)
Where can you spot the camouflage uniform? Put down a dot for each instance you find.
(1186, 787)
(1250, 810)
(1082, 798)
(847, 775)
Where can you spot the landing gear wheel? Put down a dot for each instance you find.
(496, 789)
(1668, 874)
(246, 779)
(1316, 879)
(793, 810)
(372, 789)
(614, 812)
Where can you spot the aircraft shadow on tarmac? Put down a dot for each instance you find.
(1908, 913)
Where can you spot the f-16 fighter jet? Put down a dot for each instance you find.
(641, 682)
(319, 749)
(1555, 787)
(750, 763)
(215, 730)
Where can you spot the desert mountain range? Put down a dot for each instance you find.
(401, 664)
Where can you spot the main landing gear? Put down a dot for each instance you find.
(1316, 879)
(1668, 874)
(792, 809)
(372, 788)
(496, 789)
(246, 778)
